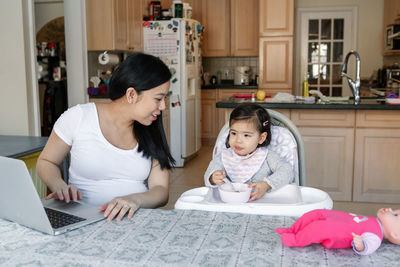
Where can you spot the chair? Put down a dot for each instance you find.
(290, 200)
(286, 141)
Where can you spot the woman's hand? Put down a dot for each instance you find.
(119, 206)
(358, 242)
(66, 193)
(260, 188)
(217, 177)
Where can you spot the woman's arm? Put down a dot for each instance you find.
(48, 169)
(155, 197)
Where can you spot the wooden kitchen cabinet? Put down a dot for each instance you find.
(377, 153)
(114, 25)
(276, 45)
(391, 13)
(276, 64)
(329, 145)
(231, 28)
(208, 113)
(244, 27)
(276, 17)
(215, 19)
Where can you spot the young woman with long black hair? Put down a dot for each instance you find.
(120, 159)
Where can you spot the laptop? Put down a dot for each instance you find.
(20, 203)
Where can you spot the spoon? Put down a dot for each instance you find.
(226, 180)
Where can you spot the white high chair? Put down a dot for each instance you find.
(291, 200)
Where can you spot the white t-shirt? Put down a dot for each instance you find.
(98, 169)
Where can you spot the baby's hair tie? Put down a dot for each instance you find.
(265, 123)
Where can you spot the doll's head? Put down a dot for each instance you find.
(250, 127)
(390, 220)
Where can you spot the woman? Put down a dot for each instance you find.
(120, 159)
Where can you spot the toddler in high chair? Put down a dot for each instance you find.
(337, 229)
(246, 158)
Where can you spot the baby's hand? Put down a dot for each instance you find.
(358, 242)
(217, 177)
(260, 188)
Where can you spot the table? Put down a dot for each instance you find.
(18, 146)
(177, 238)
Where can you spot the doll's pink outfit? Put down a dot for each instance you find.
(333, 229)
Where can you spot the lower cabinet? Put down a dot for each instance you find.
(329, 160)
(208, 113)
(377, 155)
(328, 137)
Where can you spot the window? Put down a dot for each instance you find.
(324, 38)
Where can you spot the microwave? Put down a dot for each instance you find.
(392, 38)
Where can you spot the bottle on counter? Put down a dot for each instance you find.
(305, 86)
(219, 77)
(253, 96)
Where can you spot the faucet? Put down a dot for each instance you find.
(354, 85)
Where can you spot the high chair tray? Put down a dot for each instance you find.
(290, 200)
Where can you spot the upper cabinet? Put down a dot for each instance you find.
(114, 25)
(391, 12)
(276, 17)
(231, 28)
(244, 28)
(391, 15)
(276, 45)
(215, 19)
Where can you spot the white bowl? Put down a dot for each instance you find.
(241, 194)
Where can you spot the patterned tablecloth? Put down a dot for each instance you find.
(177, 238)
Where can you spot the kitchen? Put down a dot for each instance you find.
(372, 59)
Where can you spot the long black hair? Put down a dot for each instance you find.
(253, 113)
(143, 72)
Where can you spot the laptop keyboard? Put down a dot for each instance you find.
(60, 219)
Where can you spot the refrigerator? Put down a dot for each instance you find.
(177, 43)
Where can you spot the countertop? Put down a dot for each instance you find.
(177, 238)
(365, 104)
(18, 146)
(229, 86)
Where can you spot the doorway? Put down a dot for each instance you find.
(51, 62)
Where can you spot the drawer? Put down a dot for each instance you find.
(378, 118)
(323, 118)
(209, 94)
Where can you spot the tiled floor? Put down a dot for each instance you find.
(191, 176)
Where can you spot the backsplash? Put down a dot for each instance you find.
(227, 65)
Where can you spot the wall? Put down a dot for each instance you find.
(370, 25)
(18, 96)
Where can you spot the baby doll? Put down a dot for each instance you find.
(337, 229)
